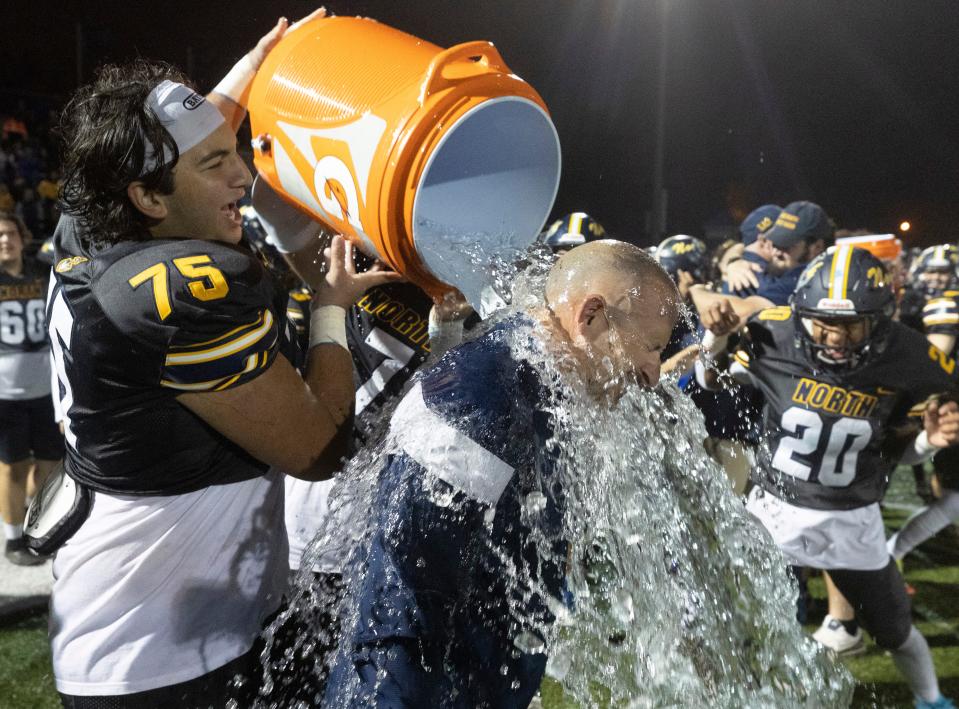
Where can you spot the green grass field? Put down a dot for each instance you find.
(933, 569)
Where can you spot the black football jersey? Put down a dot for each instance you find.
(388, 335)
(135, 324)
(23, 326)
(298, 314)
(828, 431)
(910, 308)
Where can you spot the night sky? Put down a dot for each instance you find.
(850, 104)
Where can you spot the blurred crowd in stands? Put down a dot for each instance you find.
(29, 175)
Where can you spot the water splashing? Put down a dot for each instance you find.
(676, 596)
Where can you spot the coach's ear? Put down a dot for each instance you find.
(147, 201)
(591, 322)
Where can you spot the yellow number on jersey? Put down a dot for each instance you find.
(783, 312)
(190, 267)
(161, 290)
(945, 361)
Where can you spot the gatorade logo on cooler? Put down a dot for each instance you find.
(336, 191)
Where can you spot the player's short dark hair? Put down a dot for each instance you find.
(107, 131)
(25, 234)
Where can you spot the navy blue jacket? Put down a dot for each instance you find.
(466, 541)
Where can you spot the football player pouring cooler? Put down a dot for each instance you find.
(176, 372)
(838, 377)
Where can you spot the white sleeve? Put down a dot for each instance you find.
(700, 369)
(737, 371)
(919, 451)
(741, 374)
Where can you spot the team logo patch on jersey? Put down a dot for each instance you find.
(68, 264)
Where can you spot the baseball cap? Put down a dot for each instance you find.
(758, 222)
(799, 221)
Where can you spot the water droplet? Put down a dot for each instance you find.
(623, 606)
(529, 643)
(534, 502)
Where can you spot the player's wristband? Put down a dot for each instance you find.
(922, 446)
(920, 450)
(328, 326)
(712, 345)
(236, 84)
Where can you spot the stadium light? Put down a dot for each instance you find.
(905, 226)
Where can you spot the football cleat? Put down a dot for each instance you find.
(833, 635)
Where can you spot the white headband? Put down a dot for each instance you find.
(187, 116)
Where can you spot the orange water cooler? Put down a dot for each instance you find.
(442, 162)
(885, 247)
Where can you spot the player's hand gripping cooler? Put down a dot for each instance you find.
(439, 162)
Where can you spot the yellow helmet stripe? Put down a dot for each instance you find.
(845, 270)
(839, 274)
(832, 274)
(576, 223)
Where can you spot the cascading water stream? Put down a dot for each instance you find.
(676, 596)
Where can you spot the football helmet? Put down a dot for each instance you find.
(573, 230)
(841, 285)
(683, 253)
(936, 270)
